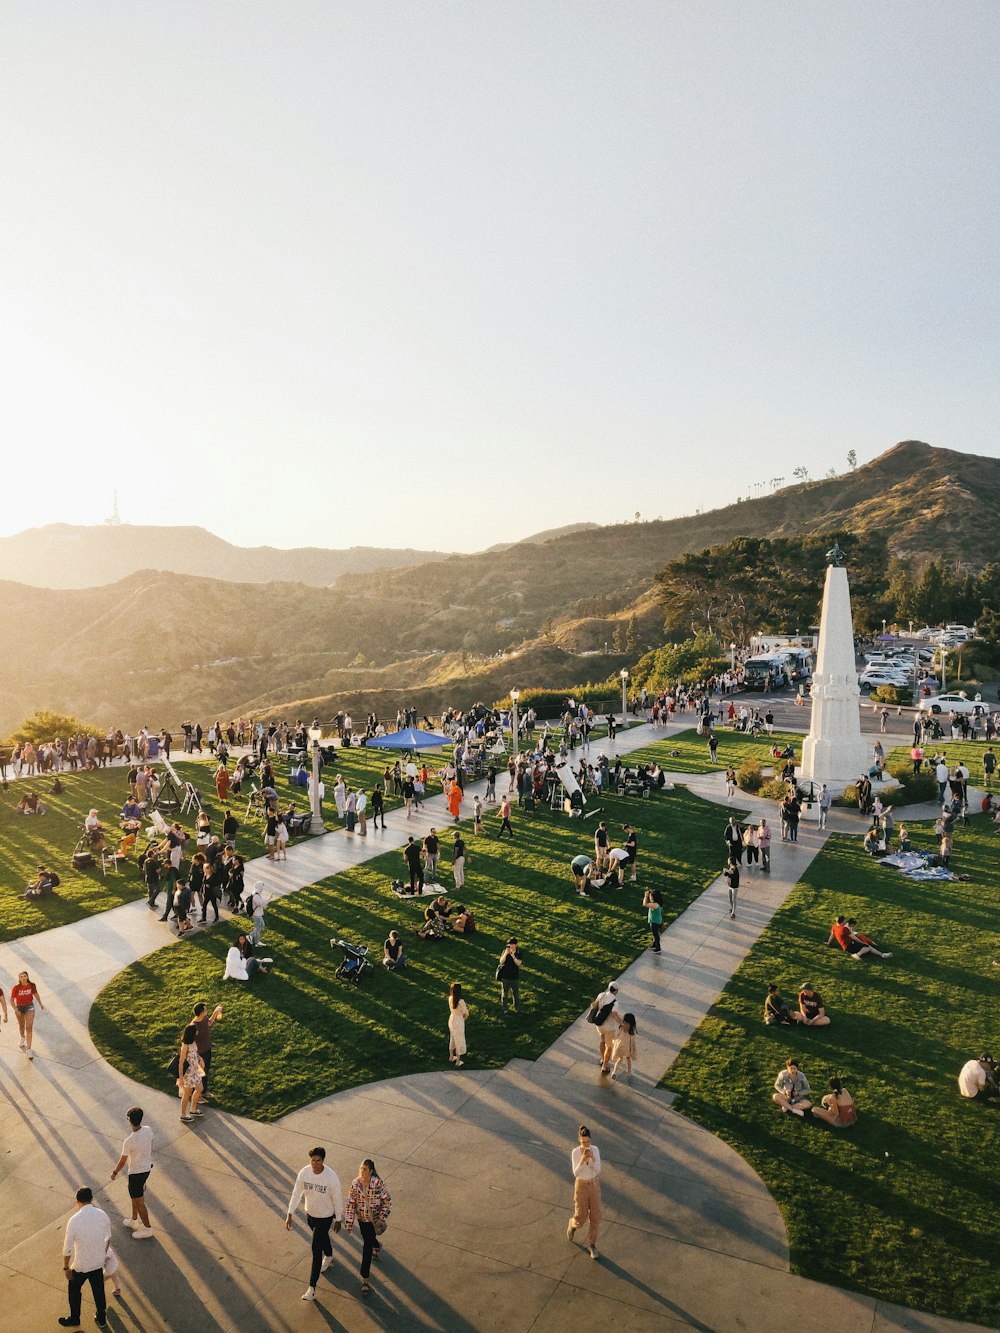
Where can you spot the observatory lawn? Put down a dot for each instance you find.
(299, 1034)
(902, 1206)
(687, 752)
(28, 841)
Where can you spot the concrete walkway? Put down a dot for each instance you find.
(477, 1161)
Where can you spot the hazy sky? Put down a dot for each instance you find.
(446, 274)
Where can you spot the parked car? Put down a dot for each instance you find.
(871, 679)
(956, 701)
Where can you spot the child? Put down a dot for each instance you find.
(625, 1047)
(111, 1271)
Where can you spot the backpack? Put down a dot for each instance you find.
(599, 1016)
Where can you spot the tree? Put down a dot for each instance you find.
(852, 459)
(801, 472)
(754, 585)
(44, 725)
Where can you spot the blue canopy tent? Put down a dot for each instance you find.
(408, 739)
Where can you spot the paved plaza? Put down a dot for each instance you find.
(477, 1161)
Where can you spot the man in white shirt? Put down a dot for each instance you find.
(320, 1187)
(586, 1161)
(977, 1078)
(88, 1235)
(137, 1151)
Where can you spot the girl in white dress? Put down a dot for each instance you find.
(458, 1012)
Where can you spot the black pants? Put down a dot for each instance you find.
(371, 1245)
(206, 1060)
(416, 877)
(505, 824)
(96, 1280)
(656, 927)
(321, 1245)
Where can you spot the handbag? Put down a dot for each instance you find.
(173, 1065)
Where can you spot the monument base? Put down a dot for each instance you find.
(835, 761)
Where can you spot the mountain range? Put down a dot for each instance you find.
(169, 637)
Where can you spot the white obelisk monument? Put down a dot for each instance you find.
(834, 751)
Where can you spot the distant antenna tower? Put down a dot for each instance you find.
(115, 519)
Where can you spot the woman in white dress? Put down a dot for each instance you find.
(458, 1012)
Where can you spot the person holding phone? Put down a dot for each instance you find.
(586, 1162)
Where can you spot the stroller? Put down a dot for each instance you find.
(355, 960)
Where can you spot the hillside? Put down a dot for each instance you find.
(62, 555)
(156, 645)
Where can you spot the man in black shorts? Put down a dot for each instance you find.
(137, 1151)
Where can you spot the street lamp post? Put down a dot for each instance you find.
(514, 729)
(624, 676)
(732, 656)
(315, 804)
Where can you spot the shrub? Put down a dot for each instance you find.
(773, 789)
(749, 776)
(893, 694)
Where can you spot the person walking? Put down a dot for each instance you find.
(586, 1163)
(491, 784)
(368, 1203)
(190, 1072)
(458, 1012)
(764, 842)
(362, 813)
(732, 875)
(378, 806)
(825, 803)
(85, 1248)
(730, 784)
(319, 1185)
(24, 996)
(626, 1048)
(137, 1152)
(204, 1021)
(609, 1021)
(652, 900)
(509, 974)
(505, 808)
(733, 839)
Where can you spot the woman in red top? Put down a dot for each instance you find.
(23, 997)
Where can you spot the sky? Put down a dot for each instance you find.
(446, 274)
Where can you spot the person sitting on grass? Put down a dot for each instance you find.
(837, 1107)
(42, 885)
(776, 1011)
(977, 1079)
(791, 1089)
(433, 927)
(241, 965)
(464, 922)
(30, 805)
(443, 908)
(855, 945)
(393, 956)
(874, 844)
(903, 834)
(811, 1011)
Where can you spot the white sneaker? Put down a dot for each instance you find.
(30, 1053)
(593, 1252)
(131, 1222)
(309, 1294)
(142, 1233)
(327, 1261)
(21, 1044)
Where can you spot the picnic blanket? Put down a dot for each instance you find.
(917, 865)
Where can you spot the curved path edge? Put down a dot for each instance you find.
(478, 1160)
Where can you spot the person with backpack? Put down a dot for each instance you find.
(607, 1018)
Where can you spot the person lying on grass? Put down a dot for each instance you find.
(851, 942)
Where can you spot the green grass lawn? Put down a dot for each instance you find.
(50, 839)
(299, 1034)
(969, 752)
(687, 752)
(904, 1205)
